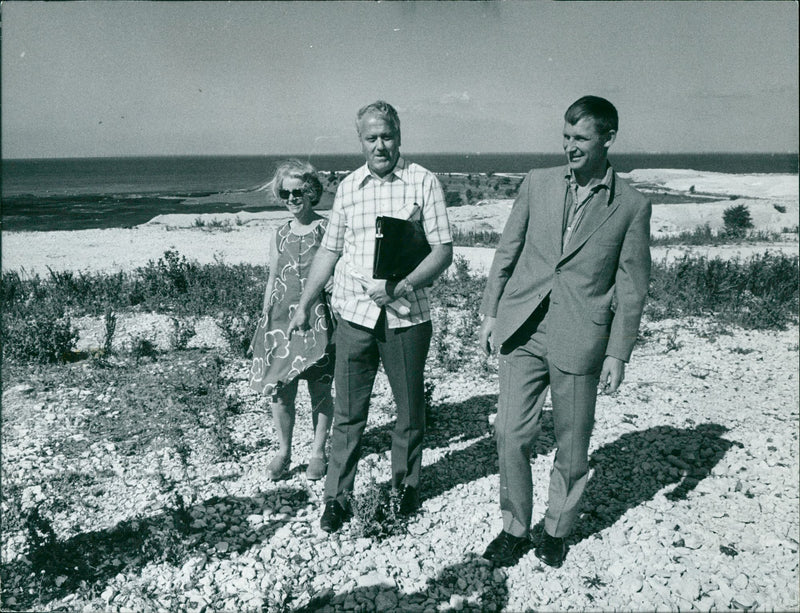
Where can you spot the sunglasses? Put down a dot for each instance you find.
(285, 193)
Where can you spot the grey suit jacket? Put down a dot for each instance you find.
(607, 259)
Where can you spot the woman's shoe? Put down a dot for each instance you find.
(317, 467)
(279, 467)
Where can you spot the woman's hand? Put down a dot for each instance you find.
(299, 320)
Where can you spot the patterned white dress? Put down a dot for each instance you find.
(278, 359)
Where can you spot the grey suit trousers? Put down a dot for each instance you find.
(358, 350)
(525, 373)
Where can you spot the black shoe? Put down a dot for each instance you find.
(409, 502)
(333, 516)
(551, 550)
(507, 549)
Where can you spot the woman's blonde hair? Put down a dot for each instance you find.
(300, 170)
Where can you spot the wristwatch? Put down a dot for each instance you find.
(403, 288)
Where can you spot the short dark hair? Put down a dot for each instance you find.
(380, 109)
(601, 110)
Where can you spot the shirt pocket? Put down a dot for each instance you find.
(406, 210)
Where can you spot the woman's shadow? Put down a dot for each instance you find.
(54, 568)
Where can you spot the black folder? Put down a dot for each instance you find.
(400, 245)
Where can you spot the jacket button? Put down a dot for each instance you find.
(558, 271)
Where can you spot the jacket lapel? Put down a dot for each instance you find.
(554, 202)
(595, 217)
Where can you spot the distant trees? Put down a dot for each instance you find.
(453, 199)
(737, 220)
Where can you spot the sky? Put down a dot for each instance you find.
(86, 79)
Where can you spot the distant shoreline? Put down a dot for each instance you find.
(128, 196)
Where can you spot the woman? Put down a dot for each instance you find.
(279, 362)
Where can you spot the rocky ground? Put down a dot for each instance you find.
(692, 503)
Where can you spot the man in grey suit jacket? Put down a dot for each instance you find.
(563, 301)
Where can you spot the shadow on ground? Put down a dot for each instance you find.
(627, 472)
(55, 568)
(635, 467)
(454, 422)
(444, 587)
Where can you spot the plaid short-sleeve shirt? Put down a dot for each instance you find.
(360, 198)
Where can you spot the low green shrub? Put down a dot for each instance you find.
(110, 319)
(760, 292)
(704, 235)
(45, 336)
(737, 220)
(475, 238)
(143, 347)
(36, 311)
(374, 510)
(182, 332)
(238, 330)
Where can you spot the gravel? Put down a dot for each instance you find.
(692, 503)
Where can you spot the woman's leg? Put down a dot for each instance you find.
(321, 415)
(282, 407)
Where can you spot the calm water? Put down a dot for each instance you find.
(69, 194)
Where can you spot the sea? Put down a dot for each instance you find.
(82, 193)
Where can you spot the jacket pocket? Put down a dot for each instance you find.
(602, 316)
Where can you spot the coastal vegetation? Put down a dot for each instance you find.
(760, 292)
(701, 235)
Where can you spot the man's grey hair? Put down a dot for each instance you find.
(381, 109)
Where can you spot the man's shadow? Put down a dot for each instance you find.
(636, 466)
(454, 422)
(492, 597)
(54, 568)
(627, 471)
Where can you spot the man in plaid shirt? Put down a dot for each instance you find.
(373, 325)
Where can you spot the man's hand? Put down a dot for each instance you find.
(486, 335)
(377, 291)
(299, 320)
(611, 375)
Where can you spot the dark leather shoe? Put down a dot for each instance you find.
(506, 549)
(333, 516)
(551, 550)
(409, 502)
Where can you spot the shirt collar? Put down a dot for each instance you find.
(606, 182)
(362, 174)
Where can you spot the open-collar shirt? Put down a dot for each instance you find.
(578, 199)
(360, 198)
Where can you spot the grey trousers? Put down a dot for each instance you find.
(525, 374)
(358, 350)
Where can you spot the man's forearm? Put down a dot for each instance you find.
(436, 262)
(321, 270)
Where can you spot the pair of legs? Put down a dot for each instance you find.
(358, 352)
(283, 416)
(525, 374)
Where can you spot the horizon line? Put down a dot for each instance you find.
(309, 155)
